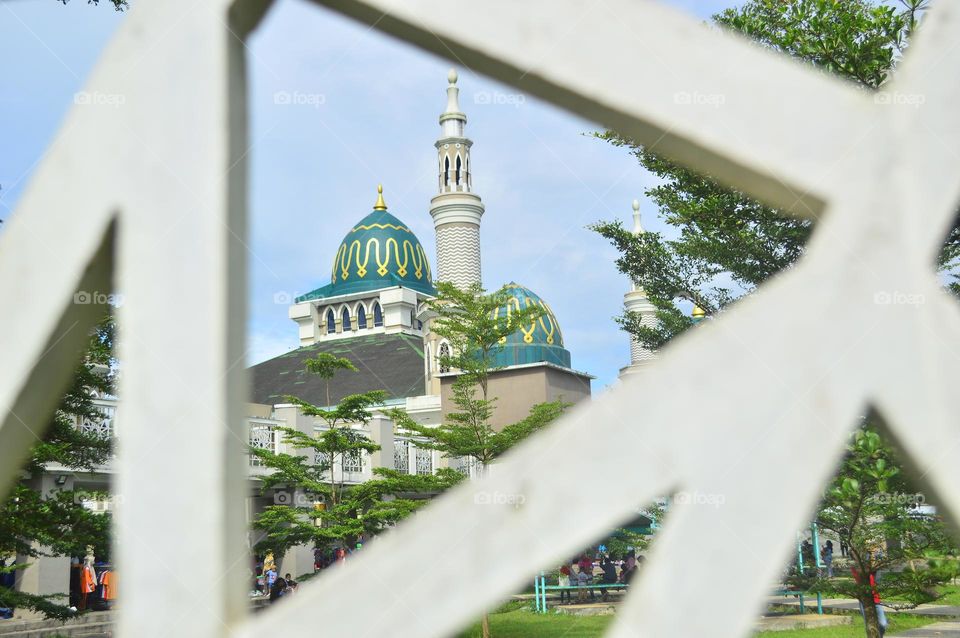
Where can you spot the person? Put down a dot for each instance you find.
(806, 554)
(278, 589)
(586, 565)
(563, 580)
(258, 581)
(828, 558)
(271, 579)
(881, 614)
(584, 578)
(291, 583)
(609, 576)
(628, 573)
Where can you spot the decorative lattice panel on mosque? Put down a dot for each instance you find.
(401, 455)
(353, 462)
(424, 460)
(101, 426)
(262, 437)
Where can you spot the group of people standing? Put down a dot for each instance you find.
(267, 580)
(826, 555)
(582, 573)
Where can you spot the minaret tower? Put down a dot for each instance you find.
(636, 301)
(456, 209)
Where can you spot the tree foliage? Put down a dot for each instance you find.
(315, 493)
(35, 524)
(471, 321)
(119, 5)
(871, 506)
(726, 243)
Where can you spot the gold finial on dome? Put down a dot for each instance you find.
(380, 205)
(698, 313)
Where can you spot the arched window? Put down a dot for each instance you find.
(345, 316)
(331, 322)
(361, 318)
(458, 169)
(444, 352)
(446, 170)
(377, 314)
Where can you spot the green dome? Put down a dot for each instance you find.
(541, 341)
(380, 251)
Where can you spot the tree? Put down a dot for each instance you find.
(347, 513)
(472, 323)
(119, 5)
(871, 507)
(727, 244)
(33, 523)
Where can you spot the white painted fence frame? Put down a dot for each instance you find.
(753, 408)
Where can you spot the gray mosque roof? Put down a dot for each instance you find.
(390, 362)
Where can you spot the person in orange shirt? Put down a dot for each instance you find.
(109, 582)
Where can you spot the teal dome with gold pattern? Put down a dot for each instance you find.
(380, 251)
(540, 341)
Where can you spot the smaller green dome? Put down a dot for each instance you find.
(541, 341)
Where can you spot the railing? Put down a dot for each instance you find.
(263, 436)
(808, 351)
(103, 427)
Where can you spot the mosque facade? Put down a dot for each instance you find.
(374, 312)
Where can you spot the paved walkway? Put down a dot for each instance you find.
(799, 621)
(936, 630)
(848, 604)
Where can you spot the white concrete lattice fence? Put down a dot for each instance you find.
(150, 199)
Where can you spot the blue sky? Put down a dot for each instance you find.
(368, 115)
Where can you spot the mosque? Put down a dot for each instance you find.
(373, 312)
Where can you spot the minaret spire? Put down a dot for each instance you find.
(636, 301)
(456, 209)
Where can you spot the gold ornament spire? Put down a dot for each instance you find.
(698, 313)
(380, 205)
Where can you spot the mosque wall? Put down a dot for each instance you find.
(519, 389)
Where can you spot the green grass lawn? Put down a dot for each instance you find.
(951, 596)
(523, 622)
(517, 621)
(898, 622)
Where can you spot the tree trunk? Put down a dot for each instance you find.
(871, 622)
(485, 626)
